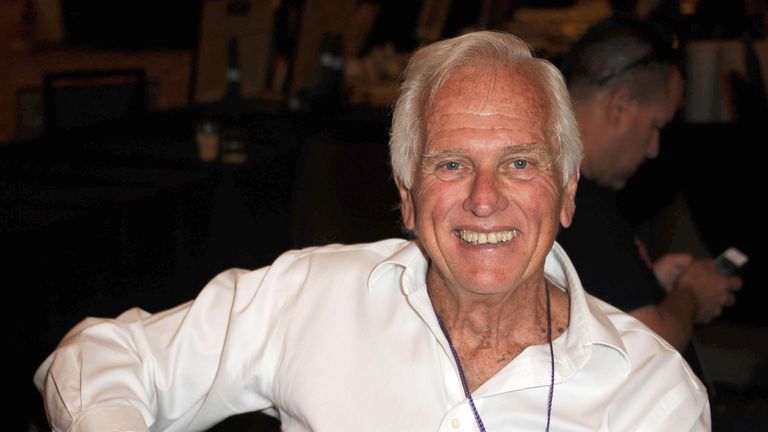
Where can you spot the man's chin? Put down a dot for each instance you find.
(619, 184)
(620, 181)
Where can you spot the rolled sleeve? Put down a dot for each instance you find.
(157, 370)
(109, 419)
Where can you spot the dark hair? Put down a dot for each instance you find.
(619, 52)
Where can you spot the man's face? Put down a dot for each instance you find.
(487, 198)
(638, 136)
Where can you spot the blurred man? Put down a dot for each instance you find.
(625, 88)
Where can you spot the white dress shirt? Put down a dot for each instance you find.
(344, 338)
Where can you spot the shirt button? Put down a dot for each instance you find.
(455, 423)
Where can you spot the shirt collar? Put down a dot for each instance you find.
(588, 325)
(409, 259)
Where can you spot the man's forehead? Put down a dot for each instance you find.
(485, 90)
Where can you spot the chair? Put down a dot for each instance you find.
(74, 99)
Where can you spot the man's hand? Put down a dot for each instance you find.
(711, 290)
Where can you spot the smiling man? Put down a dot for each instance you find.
(486, 203)
(479, 323)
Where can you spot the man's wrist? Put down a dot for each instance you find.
(682, 303)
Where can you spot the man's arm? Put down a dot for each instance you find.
(141, 369)
(697, 295)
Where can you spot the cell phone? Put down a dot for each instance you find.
(730, 261)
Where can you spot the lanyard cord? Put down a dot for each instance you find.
(464, 384)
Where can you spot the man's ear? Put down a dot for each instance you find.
(619, 101)
(407, 206)
(568, 208)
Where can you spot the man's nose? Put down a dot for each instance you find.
(485, 197)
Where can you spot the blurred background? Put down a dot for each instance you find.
(146, 146)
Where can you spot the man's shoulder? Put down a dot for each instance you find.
(364, 251)
(651, 387)
(349, 258)
(629, 327)
(646, 351)
(320, 274)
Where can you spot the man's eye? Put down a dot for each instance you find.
(520, 169)
(451, 166)
(452, 170)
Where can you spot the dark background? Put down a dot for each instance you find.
(118, 215)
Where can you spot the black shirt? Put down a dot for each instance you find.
(601, 244)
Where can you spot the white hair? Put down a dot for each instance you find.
(431, 66)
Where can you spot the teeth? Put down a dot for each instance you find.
(483, 238)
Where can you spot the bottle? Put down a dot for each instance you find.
(325, 94)
(234, 137)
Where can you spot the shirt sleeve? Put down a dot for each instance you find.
(679, 409)
(181, 369)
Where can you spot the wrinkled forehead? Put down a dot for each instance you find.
(489, 90)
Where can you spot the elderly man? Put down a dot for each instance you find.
(479, 324)
(625, 88)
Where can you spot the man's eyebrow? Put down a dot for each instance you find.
(524, 148)
(426, 157)
(532, 147)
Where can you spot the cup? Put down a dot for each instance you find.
(208, 140)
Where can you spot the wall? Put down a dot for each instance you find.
(27, 59)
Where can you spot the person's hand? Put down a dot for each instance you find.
(669, 267)
(712, 290)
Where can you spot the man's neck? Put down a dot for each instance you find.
(489, 331)
(598, 138)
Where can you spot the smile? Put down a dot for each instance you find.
(473, 237)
